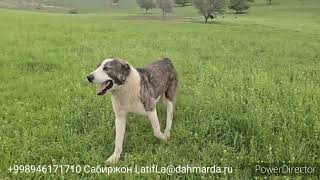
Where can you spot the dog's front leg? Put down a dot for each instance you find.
(153, 117)
(120, 131)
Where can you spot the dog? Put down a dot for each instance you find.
(137, 90)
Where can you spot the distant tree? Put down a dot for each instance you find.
(182, 2)
(73, 11)
(239, 5)
(209, 8)
(37, 4)
(146, 4)
(269, 2)
(165, 6)
(115, 3)
(302, 2)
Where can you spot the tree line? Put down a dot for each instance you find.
(209, 9)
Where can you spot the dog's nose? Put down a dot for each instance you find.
(90, 78)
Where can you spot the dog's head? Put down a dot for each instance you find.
(109, 75)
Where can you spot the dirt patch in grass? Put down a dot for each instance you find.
(152, 18)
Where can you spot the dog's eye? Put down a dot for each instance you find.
(106, 68)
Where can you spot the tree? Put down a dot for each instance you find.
(182, 2)
(115, 3)
(36, 4)
(146, 4)
(239, 5)
(269, 2)
(165, 6)
(209, 8)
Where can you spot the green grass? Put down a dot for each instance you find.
(93, 5)
(249, 89)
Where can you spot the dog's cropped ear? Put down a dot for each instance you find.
(123, 73)
(126, 67)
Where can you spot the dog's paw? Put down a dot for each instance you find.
(114, 158)
(162, 137)
(167, 134)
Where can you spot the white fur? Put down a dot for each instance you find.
(169, 105)
(99, 75)
(153, 117)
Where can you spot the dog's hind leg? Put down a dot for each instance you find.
(153, 117)
(169, 105)
(169, 98)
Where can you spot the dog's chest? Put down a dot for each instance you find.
(131, 104)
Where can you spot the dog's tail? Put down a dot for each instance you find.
(169, 62)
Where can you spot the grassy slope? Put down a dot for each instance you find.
(82, 6)
(248, 91)
(295, 15)
(93, 5)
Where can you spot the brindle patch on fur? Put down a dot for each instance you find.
(159, 78)
(117, 70)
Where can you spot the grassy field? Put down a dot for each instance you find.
(81, 6)
(249, 89)
(94, 5)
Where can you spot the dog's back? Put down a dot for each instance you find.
(159, 78)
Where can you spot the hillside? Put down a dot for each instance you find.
(83, 6)
(92, 5)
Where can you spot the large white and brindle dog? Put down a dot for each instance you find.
(137, 90)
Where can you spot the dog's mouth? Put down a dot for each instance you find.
(104, 87)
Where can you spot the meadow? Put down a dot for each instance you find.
(249, 89)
